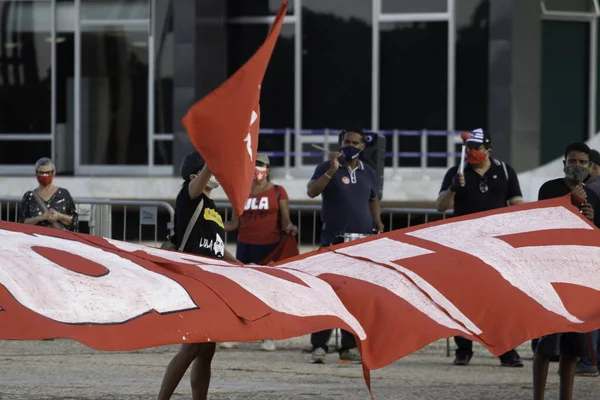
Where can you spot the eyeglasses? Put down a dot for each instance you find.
(483, 186)
(45, 173)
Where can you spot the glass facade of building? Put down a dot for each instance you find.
(90, 82)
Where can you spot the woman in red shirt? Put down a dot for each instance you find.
(266, 215)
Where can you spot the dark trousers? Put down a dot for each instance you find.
(465, 348)
(319, 339)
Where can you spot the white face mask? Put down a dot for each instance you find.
(213, 183)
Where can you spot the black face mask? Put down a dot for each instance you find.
(350, 152)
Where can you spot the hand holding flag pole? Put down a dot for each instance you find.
(461, 169)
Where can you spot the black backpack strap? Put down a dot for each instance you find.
(277, 192)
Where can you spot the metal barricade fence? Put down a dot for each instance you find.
(304, 215)
(116, 219)
(113, 218)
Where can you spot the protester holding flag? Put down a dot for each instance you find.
(570, 345)
(48, 205)
(485, 184)
(266, 215)
(199, 229)
(350, 209)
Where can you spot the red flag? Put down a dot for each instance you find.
(224, 125)
(287, 248)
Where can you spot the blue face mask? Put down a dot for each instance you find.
(350, 152)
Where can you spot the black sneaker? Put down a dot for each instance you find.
(462, 359)
(513, 362)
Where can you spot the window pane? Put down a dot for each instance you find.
(256, 8)
(107, 9)
(24, 152)
(570, 5)
(414, 6)
(163, 152)
(336, 70)
(413, 84)
(413, 75)
(163, 83)
(114, 95)
(565, 61)
(277, 93)
(25, 67)
(472, 24)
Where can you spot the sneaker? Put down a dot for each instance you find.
(462, 359)
(351, 355)
(268, 345)
(585, 370)
(318, 356)
(228, 345)
(515, 363)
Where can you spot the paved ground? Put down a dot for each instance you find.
(63, 369)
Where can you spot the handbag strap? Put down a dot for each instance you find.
(44, 208)
(191, 224)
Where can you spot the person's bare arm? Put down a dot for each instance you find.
(516, 201)
(375, 207)
(64, 219)
(199, 182)
(286, 221)
(233, 224)
(35, 220)
(317, 186)
(446, 198)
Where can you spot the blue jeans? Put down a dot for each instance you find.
(587, 360)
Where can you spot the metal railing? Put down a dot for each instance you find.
(303, 215)
(326, 137)
(108, 218)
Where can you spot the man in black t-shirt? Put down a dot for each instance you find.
(570, 345)
(486, 184)
(205, 239)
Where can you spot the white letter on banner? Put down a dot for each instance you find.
(126, 292)
(531, 269)
(385, 251)
(318, 299)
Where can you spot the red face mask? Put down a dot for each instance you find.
(260, 174)
(45, 180)
(475, 157)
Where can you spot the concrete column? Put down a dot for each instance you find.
(514, 81)
(199, 31)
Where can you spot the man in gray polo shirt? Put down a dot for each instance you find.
(350, 206)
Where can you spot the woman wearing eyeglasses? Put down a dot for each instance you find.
(48, 205)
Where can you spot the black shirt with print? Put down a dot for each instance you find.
(558, 188)
(208, 235)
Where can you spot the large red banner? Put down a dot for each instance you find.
(499, 278)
